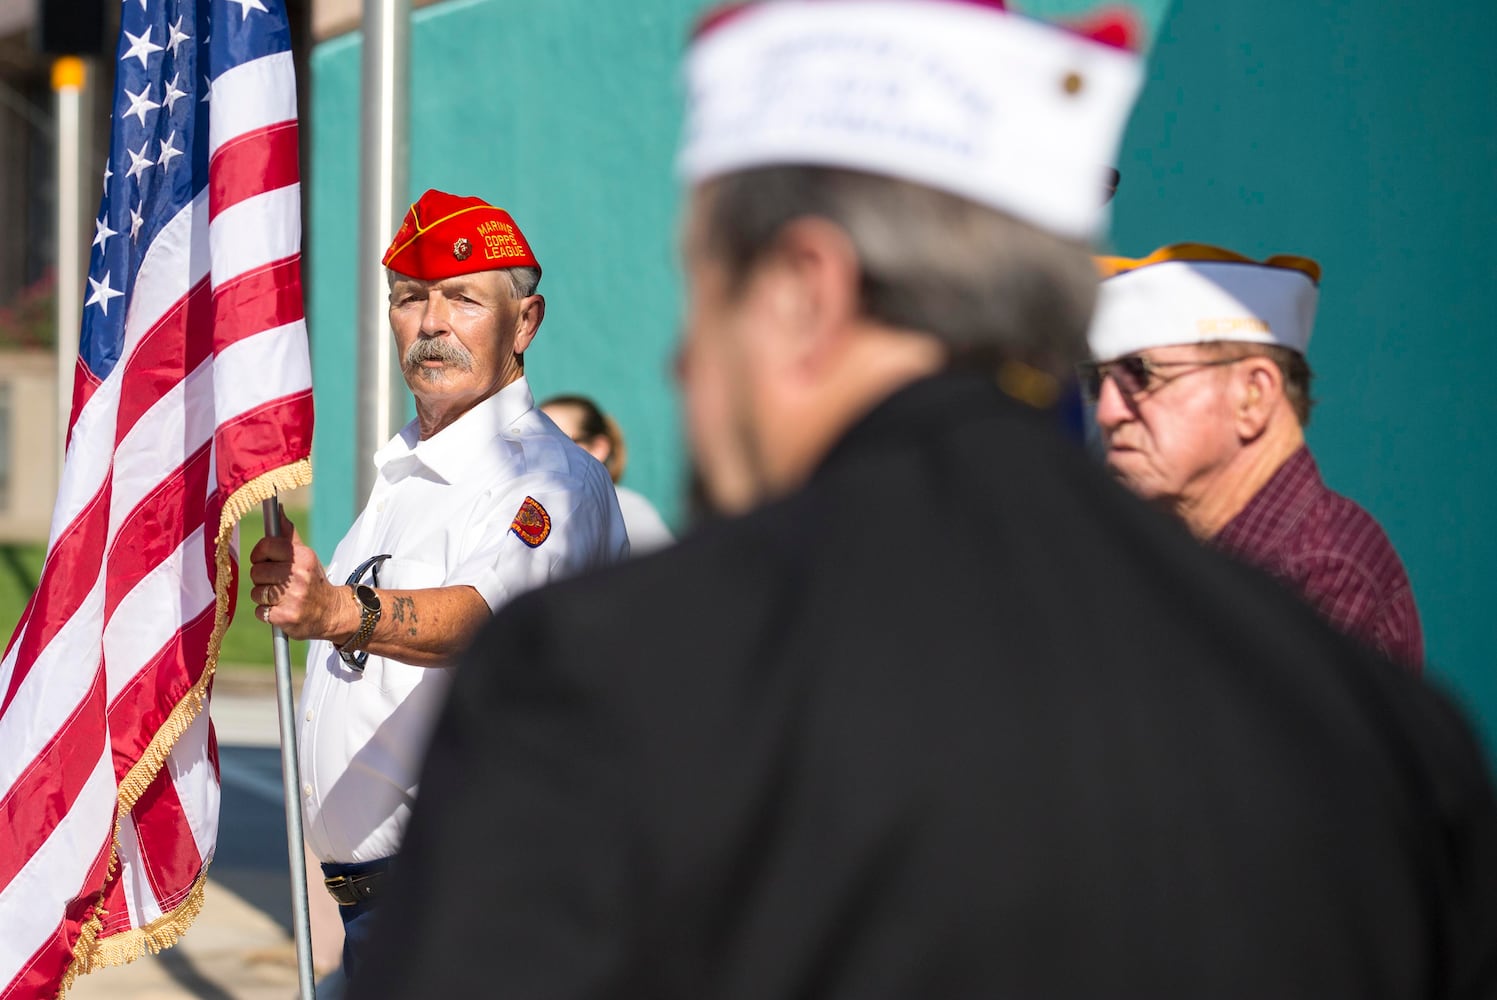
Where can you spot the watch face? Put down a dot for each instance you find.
(367, 597)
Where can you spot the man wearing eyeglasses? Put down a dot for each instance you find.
(1202, 393)
(478, 499)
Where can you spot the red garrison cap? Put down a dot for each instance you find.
(445, 235)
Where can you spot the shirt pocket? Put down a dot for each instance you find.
(402, 573)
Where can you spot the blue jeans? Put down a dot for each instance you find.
(357, 920)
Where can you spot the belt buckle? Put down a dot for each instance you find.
(336, 884)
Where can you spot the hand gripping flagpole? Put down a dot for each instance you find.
(290, 774)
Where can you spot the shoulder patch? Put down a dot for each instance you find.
(532, 525)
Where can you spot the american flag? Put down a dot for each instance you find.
(192, 404)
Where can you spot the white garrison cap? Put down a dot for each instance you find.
(1192, 293)
(957, 95)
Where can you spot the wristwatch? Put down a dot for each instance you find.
(369, 612)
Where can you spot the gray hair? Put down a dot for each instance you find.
(523, 280)
(992, 288)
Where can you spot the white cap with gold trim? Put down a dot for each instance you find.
(957, 95)
(1192, 293)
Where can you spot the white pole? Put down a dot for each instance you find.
(69, 77)
(301, 922)
(383, 192)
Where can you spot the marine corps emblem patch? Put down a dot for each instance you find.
(462, 249)
(532, 525)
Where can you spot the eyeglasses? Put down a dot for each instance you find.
(1135, 375)
(371, 567)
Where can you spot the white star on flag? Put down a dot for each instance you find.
(102, 293)
(140, 103)
(207, 89)
(173, 94)
(178, 37)
(107, 174)
(136, 221)
(169, 151)
(102, 232)
(141, 46)
(245, 6)
(139, 161)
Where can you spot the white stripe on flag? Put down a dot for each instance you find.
(197, 785)
(279, 356)
(173, 592)
(140, 901)
(255, 232)
(57, 682)
(62, 861)
(255, 94)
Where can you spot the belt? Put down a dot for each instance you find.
(351, 890)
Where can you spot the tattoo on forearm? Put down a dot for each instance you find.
(404, 613)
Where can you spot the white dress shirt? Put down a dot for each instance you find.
(443, 509)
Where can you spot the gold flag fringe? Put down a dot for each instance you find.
(89, 952)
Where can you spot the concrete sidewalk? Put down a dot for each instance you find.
(236, 950)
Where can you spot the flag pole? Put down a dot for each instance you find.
(383, 199)
(290, 774)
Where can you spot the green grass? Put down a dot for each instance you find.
(247, 643)
(20, 565)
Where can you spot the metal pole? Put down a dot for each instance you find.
(301, 921)
(69, 77)
(383, 191)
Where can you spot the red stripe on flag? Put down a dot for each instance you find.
(177, 343)
(71, 569)
(251, 164)
(155, 690)
(42, 972)
(251, 444)
(256, 301)
(44, 792)
(151, 532)
(169, 854)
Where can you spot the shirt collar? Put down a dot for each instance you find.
(1277, 507)
(449, 453)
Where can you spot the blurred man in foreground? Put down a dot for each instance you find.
(939, 710)
(1202, 395)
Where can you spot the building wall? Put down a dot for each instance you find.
(28, 445)
(1363, 135)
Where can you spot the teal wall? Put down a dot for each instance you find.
(1365, 136)
(568, 119)
(1367, 139)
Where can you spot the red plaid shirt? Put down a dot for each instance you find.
(1333, 553)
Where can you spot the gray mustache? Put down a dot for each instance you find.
(442, 350)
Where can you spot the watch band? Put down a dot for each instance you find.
(369, 613)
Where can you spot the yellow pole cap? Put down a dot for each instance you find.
(68, 73)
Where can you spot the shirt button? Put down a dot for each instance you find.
(379, 508)
(309, 715)
(307, 790)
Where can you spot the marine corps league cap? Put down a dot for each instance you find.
(961, 96)
(1192, 293)
(445, 235)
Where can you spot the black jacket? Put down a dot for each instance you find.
(958, 719)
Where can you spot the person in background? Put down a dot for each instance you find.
(936, 708)
(1202, 395)
(476, 500)
(600, 436)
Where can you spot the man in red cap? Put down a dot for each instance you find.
(478, 499)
